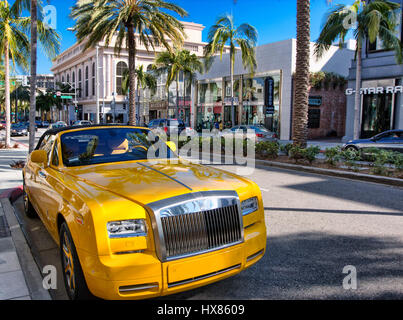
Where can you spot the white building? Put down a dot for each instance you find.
(275, 61)
(78, 68)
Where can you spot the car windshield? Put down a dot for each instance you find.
(95, 146)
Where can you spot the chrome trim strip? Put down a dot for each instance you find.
(188, 255)
(253, 256)
(137, 288)
(190, 203)
(180, 283)
(168, 176)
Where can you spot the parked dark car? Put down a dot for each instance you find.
(389, 140)
(18, 129)
(167, 126)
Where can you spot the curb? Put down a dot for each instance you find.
(12, 194)
(329, 172)
(30, 269)
(336, 173)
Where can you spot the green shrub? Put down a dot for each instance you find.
(383, 157)
(267, 148)
(369, 154)
(286, 148)
(309, 154)
(296, 153)
(333, 155)
(398, 161)
(350, 157)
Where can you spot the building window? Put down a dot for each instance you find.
(93, 79)
(74, 79)
(79, 83)
(68, 78)
(314, 118)
(86, 81)
(121, 67)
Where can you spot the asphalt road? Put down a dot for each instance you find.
(317, 225)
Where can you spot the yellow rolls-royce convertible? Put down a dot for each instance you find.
(135, 221)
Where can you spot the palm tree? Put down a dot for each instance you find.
(21, 95)
(375, 20)
(302, 72)
(15, 45)
(223, 33)
(144, 80)
(106, 19)
(175, 63)
(34, 45)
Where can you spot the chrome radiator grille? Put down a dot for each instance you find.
(200, 231)
(196, 223)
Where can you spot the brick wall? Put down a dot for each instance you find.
(332, 112)
(332, 115)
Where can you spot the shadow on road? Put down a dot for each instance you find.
(310, 265)
(296, 266)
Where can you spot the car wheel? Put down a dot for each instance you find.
(28, 208)
(352, 148)
(73, 276)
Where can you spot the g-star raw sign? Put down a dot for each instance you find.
(377, 90)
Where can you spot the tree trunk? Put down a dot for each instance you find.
(302, 72)
(232, 89)
(7, 93)
(34, 44)
(177, 96)
(138, 104)
(132, 74)
(357, 103)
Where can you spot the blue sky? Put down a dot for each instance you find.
(275, 20)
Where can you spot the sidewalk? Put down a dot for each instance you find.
(20, 278)
(11, 178)
(12, 280)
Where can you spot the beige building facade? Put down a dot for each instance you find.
(79, 69)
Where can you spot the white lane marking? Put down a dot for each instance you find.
(265, 190)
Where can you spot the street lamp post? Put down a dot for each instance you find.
(114, 106)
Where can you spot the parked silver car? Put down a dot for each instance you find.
(82, 123)
(262, 133)
(388, 140)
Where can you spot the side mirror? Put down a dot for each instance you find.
(172, 146)
(39, 157)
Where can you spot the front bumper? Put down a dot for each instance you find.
(142, 275)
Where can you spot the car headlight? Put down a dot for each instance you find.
(127, 229)
(250, 205)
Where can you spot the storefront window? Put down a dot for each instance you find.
(254, 110)
(210, 92)
(378, 109)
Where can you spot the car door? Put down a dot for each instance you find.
(31, 177)
(42, 175)
(387, 141)
(51, 187)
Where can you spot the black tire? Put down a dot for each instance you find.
(73, 276)
(352, 148)
(28, 208)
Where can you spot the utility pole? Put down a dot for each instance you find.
(97, 85)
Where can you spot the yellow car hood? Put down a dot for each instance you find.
(149, 181)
